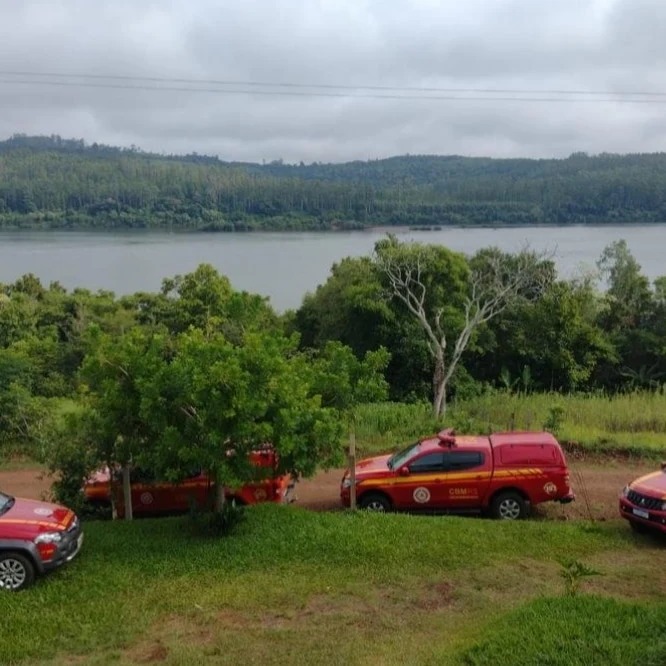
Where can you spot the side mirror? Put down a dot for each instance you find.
(403, 471)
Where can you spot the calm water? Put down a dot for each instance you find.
(282, 266)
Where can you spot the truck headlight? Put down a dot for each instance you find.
(346, 483)
(625, 491)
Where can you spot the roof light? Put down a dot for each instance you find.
(447, 437)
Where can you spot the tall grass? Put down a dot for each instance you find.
(386, 426)
(625, 424)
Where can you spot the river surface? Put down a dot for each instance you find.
(284, 266)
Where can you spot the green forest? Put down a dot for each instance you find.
(51, 182)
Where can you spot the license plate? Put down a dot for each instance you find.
(641, 514)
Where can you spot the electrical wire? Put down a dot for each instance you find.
(307, 87)
(339, 95)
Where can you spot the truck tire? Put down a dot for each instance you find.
(97, 510)
(639, 528)
(376, 502)
(16, 571)
(508, 505)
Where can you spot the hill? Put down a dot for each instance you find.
(51, 182)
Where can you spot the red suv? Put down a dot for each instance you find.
(643, 502)
(503, 474)
(35, 537)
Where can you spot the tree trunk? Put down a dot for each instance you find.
(439, 388)
(127, 492)
(220, 497)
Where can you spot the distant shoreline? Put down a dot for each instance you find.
(386, 229)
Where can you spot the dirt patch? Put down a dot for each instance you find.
(596, 483)
(597, 486)
(154, 647)
(31, 482)
(322, 492)
(151, 654)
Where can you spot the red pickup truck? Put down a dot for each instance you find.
(503, 474)
(35, 537)
(151, 497)
(643, 502)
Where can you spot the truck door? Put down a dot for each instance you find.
(423, 487)
(466, 479)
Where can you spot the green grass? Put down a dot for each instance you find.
(337, 587)
(20, 463)
(631, 424)
(568, 631)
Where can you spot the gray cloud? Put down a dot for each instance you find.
(590, 45)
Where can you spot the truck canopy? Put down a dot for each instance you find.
(526, 448)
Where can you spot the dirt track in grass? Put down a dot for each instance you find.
(596, 484)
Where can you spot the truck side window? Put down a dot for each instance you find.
(433, 462)
(456, 461)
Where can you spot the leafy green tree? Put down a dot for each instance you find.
(344, 381)
(633, 317)
(628, 296)
(117, 371)
(203, 299)
(213, 396)
(174, 403)
(557, 337)
(349, 307)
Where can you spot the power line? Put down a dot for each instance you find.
(328, 86)
(339, 95)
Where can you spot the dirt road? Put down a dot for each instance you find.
(596, 485)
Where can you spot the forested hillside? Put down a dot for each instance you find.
(52, 182)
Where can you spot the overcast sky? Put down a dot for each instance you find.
(588, 45)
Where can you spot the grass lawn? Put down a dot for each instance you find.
(293, 586)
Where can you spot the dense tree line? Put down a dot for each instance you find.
(52, 182)
(551, 334)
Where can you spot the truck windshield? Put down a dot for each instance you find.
(6, 503)
(399, 459)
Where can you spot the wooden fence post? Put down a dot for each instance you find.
(352, 470)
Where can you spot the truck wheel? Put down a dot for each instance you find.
(16, 571)
(97, 510)
(508, 506)
(375, 502)
(639, 528)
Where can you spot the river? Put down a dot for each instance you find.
(283, 266)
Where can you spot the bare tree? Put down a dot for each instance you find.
(495, 279)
